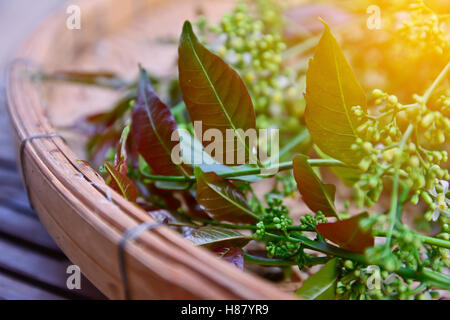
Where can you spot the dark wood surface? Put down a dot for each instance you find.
(31, 264)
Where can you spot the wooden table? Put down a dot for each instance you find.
(31, 265)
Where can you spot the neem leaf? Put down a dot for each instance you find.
(347, 233)
(331, 91)
(221, 199)
(215, 95)
(152, 127)
(232, 255)
(321, 285)
(192, 151)
(121, 156)
(99, 145)
(348, 175)
(316, 195)
(215, 237)
(122, 184)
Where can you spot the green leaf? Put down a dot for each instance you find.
(215, 95)
(153, 127)
(215, 237)
(221, 199)
(331, 91)
(192, 152)
(347, 233)
(316, 195)
(348, 175)
(321, 285)
(122, 184)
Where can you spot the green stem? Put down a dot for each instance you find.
(266, 261)
(247, 226)
(429, 240)
(433, 86)
(377, 233)
(280, 262)
(425, 275)
(394, 197)
(321, 246)
(428, 276)
(249, 171)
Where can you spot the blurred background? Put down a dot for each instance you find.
(31, 265)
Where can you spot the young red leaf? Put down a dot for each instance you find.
(100, 144)
(215, 95)
(347, 234)
(106, 119)
(152, 127)
(316, 195)
(331, 91)
(215, 237)
(221, 199)
(122, 184)
(121, 156)
(232, 255)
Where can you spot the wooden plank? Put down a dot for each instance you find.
(15, 289)
(43, 269)
(27, 229)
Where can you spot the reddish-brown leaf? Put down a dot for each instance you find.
(221, 199)
(101, 78)
(121, 156)
(316, 195)
(215, 237)
(347, 234)
(215, 95)
(152, 127)
(99, 145)
(232, 255)
(122, 184)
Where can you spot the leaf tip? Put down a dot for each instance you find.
(187, 30)
(327, 27)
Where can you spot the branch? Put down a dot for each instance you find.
(250, 171)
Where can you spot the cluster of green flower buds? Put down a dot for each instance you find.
(360, 282)
(277, 214)
(437, 258)
(423, 31)
(282, 249)
(248, 40)
(309, 221)
(409, 250)
(437, 127)
(379, 145)
(437, 199)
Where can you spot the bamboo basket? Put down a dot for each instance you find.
(85, 217)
